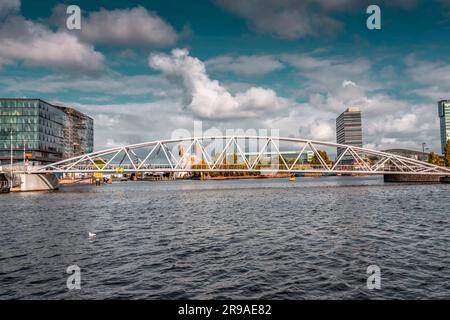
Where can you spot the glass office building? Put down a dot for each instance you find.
(349, 129)
(35, 129)
(444, 117)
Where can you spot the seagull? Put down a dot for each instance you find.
(92, 235)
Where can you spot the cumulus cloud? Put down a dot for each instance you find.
(431, 77)
(325, 73)
(131, 27)
(247, 66)
(34, 44)
(347, 83)
(318, 129)
(293, 19)
(127, 123)
(207, 98)
(330, 84)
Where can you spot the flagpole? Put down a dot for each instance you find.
(24, 154)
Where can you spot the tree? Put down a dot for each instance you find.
(447, 154)
(323, 154)
(433, 158)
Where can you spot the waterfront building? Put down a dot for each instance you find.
(444, 117)
(305, 158)
(78, 133)
(41, 132)
(349, 129)
(413, 154)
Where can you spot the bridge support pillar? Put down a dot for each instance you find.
(37, 182)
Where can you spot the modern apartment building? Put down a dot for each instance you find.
(349, 129)
(444, 117)
(41, 132)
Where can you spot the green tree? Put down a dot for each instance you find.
(447, 154)
(324, 156)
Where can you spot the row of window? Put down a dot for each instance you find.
(19, 112)
(20, 104)
(22, 136)
(31, 137)
(22, 119)
(19, 145)
(52, 114)
(6, 122)
(18, 127)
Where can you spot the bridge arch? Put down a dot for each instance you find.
(212, 154)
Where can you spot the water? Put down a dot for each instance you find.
(237, 239)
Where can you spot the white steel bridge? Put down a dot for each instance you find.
(263, 154)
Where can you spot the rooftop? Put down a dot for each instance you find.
(61, 107)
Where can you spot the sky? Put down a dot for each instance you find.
(144, 70)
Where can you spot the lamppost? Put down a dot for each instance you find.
(423, 150)
(24, 154)
(11, 150)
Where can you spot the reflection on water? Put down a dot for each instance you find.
(312, 238)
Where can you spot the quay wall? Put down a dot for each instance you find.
(419, 178)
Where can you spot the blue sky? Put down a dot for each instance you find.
(144, 69)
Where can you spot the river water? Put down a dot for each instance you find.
(236, 239)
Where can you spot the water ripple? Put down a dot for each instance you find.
(270, 239)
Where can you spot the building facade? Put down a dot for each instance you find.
(78, 133)
(444, 117)
(38, 131)
(413, 154)
(349, 129)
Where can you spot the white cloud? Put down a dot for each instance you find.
(111, 143)
(247, 66)
(329, 73)
(34, 44)
(259, 99)
(135, 27)
(185, 92)
(207, 98)
(121, 124)
(329, 85)
(347, 83)
(319, 130)
(432, 78)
